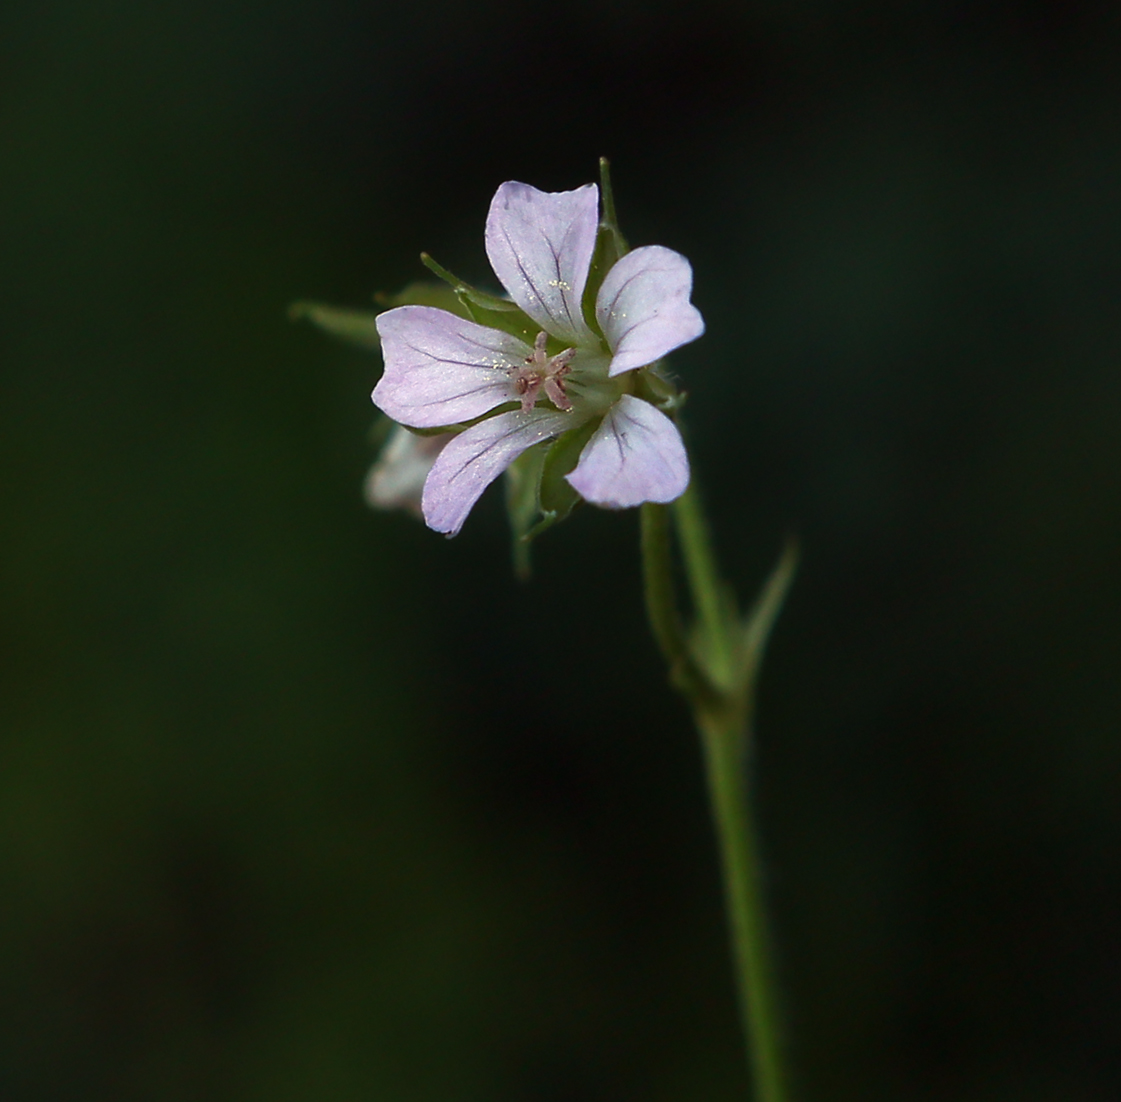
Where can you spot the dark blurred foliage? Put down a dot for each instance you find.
(302, 802)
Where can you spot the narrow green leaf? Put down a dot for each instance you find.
(760, 620)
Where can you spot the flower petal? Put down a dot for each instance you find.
(643, 307)
(635, 455)
(440, 369)
(395, 481)
(540, 245)
(472, 460)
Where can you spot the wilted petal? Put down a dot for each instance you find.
(643, 307)
(397, 478)
(540, 245)
(441, 369)
(635, 455)
(474, 458)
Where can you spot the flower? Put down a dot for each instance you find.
(442, 370)
(396, 480)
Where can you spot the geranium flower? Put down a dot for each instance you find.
(396, 480)
(442, 370)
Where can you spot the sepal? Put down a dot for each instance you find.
(660, 391)
(483, 308)
(556, 495)
(424, 293)
(353, 326)
(615, 244)
(359, 327)
(537, 494)
(523, 476)
(611, 245)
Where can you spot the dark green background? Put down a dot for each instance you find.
(302, 802)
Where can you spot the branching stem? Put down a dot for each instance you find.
(715, 668)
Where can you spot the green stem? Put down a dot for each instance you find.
(721, 711)
(709, 598)
(722, 737)
(661, 608)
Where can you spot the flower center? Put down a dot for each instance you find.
(542, 372)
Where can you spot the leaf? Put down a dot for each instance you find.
(757, 625)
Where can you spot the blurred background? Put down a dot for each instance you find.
(303, 802)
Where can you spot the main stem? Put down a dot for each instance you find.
(722, 713)
(747, 916)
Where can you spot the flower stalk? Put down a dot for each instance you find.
(715, 668)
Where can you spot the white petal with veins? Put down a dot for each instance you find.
(643, 307)
(635, 455)
(474, 458)
(540, 245)
(441, 369)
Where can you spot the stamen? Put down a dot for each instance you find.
(554, 388)
(543, 372)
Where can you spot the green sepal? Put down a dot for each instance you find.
(556, 496)
(657, 389)
(522, 479)
(459, 426)
(610, 244)
(353, 326)
(537, 493)
(464, 289)
(424, 293)
(440, 430)
(608, 222)
(545, 520)
(513, 321)
(359, 327)
(484, 309)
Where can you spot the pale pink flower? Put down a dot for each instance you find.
(442, 370)
(396, 480)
